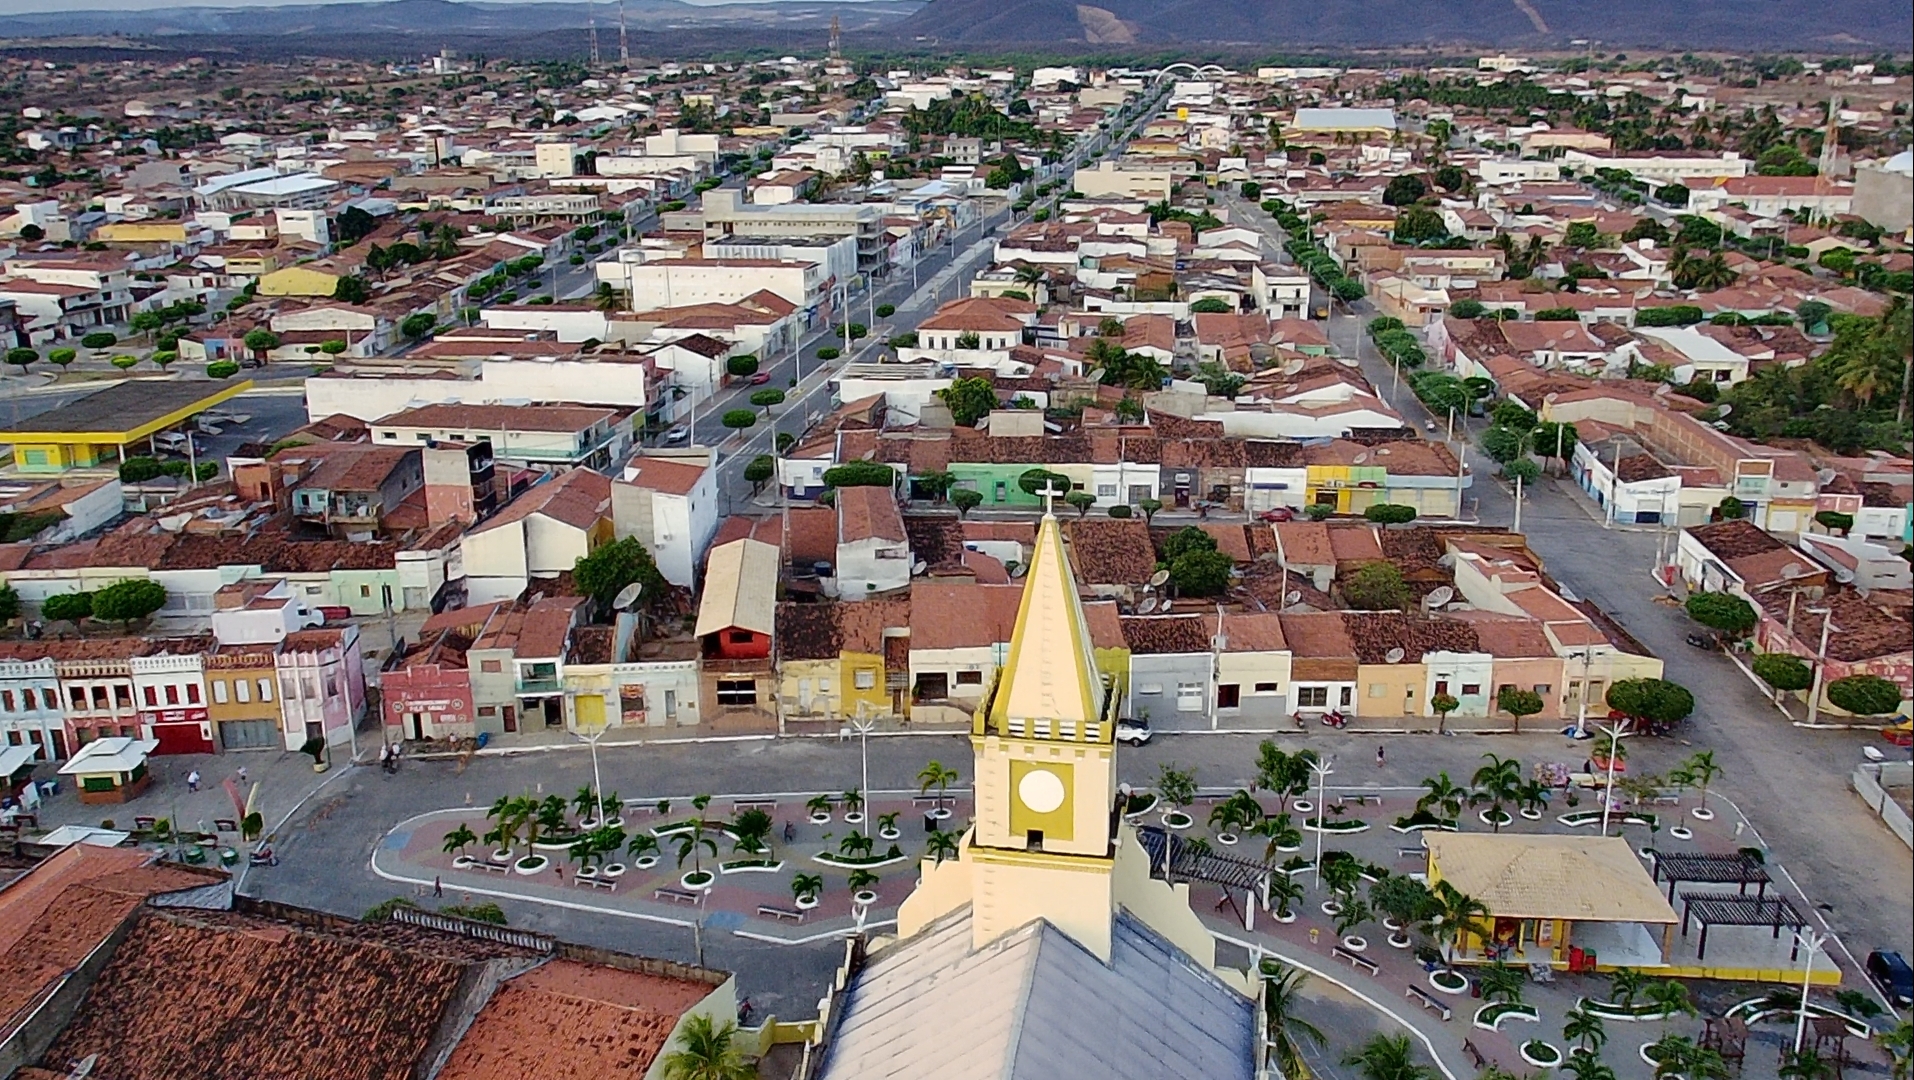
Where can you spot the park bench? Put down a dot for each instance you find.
(928, 800)
(1468, 1047)
(1411, 852)
(766, 805)
(782, 914)
(1364, 800)
(491, 867)
(1422, 997)
(676, 896)
(596, 883)
(1666, 800)
(1356, 960)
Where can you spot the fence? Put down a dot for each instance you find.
(1874, 782)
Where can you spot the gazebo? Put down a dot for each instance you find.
(111, 770)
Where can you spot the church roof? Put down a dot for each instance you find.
(1050, 672)
(1035, 1004)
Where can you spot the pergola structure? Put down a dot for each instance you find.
(1173, 859)
(1740, 870)
(1723, 909)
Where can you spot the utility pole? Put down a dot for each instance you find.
(1322, 767)
(1820, 662)
(1812, 942)
(1615, 733)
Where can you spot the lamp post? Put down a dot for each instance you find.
(863, 726)
(1820, 663)
(597, 789)
(1581, 698)
(1322, 767)
(1616, 733)
(1811, 941)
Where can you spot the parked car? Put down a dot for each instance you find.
(1890, 972)
(760, 378)
(676, 435)
(1133, 732)
(1280, 513)
(175, 442)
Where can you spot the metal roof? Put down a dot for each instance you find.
(1587, 878)
(1343, 119)
(740, 589)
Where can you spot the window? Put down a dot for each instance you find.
(242, 690)
(1149, 688)
(492, 666)
(1541, 689)
(1189, 697)
(1106, 491)
(76, 697)
(122, 696)
(219, 691)
(737, 692)
(172, 693)
(1312, 697)
(1377, 689)
(1229, 696)
(864, 679)
(265, 689)
(738, 637)
(152, 696)
(970, 678)
(488, 710)
(1470, 689)
(6, 700)
(28, 701)
(1267, 688)
(1347, 696)
(192, 693)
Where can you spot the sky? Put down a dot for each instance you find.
(36, 7)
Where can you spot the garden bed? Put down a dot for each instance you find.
(711, 828)
(1422, 821)
(1753, 1012)
(1540, 1054)
(1335, 825)
(751, 866)
(1608, 1010)
(1141, 802)
(698, 880)
(530, 864)
(853, 862)
(1495, 818)
(1489, 1017)
(1177, 819)
(1449, 982)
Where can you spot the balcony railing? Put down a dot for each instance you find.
(540, 684)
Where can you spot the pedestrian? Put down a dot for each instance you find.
(438, 887)
(192, 780)
(1378, 757)
(559, 869)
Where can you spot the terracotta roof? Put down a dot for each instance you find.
(1734, 539)
(578, 498)
(963, 615)
(865, 513)
(454, 417)
(1148, 634)
(1260, 631)
(566, 1019)
(1318, 635)
(672, 476)
(1376, 633)
(1111, 551)
(813, 535)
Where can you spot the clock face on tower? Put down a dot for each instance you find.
(1041, 798)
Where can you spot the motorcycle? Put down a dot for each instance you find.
(1335, 719)
(1300, 722)
(263, 856)
(1704, 641)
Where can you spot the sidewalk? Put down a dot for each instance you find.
(275, 783)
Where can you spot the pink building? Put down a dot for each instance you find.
(322, 685)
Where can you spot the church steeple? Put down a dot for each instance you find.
(1049, 686)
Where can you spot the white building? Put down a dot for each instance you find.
(1659, 167)
(669, 501)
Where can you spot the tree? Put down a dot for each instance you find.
(354, 225)
(1524, 469)
(1553, 440)
(100, 339)
(221, 369)
(1722, 611)
(741, 367)
(1210, 305)
(1467, 309)
(1518, 703)
(32, 233)
(1033, 481)
(260, 342)
(767, 397)
(61, 357)
(68, 607)
(1585, 1029)
(707, 1050)
(1785, 672)
(1282, 997)
(164, 359)
(759, 470)
(1513, 416)
(1864, 695)
(1455, 913)
(738, 419)
(966, 500)
(1803, 1064)
(459, 839)
(9, 604)
(829, 352)
(1442, 705)
(1495, 784)
(936, 483)
(1661, 703)
(860, 473)
(416, 327)
(1201, 573)
(604, 573)
(129, 601)
(1404, 190)
(1377, 586)
(1149, 508)
(1390, 514)
(1082, 500)
(21, 356)
(1417, 224)
(333, 347)
(969, 400)
(351, 289)
(1176, 786)
(1402, 899)
(1388, 1057)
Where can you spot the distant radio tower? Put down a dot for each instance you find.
(1830, 147)
(591, 21)
(836, 40)
(624, 49)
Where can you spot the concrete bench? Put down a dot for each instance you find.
(766, 805)
(597, 883)
(1356, 960)
(781, 914)
(1412, 853)
(1422, 997)
(1468, 1047)
(676, 896)
(1364, 800)
(492, 867)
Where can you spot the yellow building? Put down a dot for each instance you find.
(105, 427)
(319, 278)
(141, 232)
(832, 659)
(1050, 907)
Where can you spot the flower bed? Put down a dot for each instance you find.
(644, 862)
(1681, 832)
(710, 827)
(1355, 943)
(530, 864)
(1540, 1054)
(1448, 982)
(864, 897)
(751, 866)
(1752, 1012)
(462, 862)
(1422, 821)
(1609, 1010)
(1335, 825)
(698, 880)
(613, 871)
(1177, 819)
(1141, 802)
(1577, 818)
(1497, 818)
(852, 862)
(806, 902)
(1489, 1017)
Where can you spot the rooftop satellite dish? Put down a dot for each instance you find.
(1295, 366)
(1019, 570)
(1550, 397)
(1348, 361)
(1157, 579)
(1825, 476)
(1293, 596)
(1166, 605)
(1395, 656)
(1360, 458)
(1724, 408)
(1148, 605)
(1843, 575)
(919, 568)
(1792, 571)
(628, 596)
(1439, 596)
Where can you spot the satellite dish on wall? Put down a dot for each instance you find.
(1347, 361)
(1157, 579)
(1792, 571)
(1295, 367)
(1724, 408)
(1394, 656)
(1843, 575)
(1293, 596)
(1166, 605)
(919, 568)
(1019, 570)
(1551, 396)
(1148, 605)
(628, 596)
(1360, 458)
(1441, 595)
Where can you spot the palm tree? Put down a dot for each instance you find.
(500, 808)
(1354, 913)
(1706, 1063)
(1669, 997)
(861, 880)
(751, 828)
(1588, 1067)
(1340, 875)
(1624, 986)
(641, 845)
(707, 1051)
(1388, 1057)
(605, 298)
(1701, 768)
(584, 801)
(1898, 1043)
(1283, 890)
(1804, 1064)
(941, 845)
(1442, 796)
(1239, 811)
(818, 804)
(803, 885)
(458, 839)
(1495, 783)
(1455, 914)
(693, 845)
(550, 814)
(1585, 1029)
(853, 801)
(855, 845)
(1030, 275)
(935, 775)
(1501, 982)
(1281, 833)
(1282, 986)
(1672, 1054)
(1532, 795)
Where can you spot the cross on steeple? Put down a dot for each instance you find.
(1049, 494)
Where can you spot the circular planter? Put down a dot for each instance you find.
(1448, 982)
(1680, 832)
(1303, 806)
(1355, 943)
(1228, 838)
(1390, 925)
(864, 898)
(1177, 819)
(502, 855)
(1399, 941)
(698, 880)
(587, 873)
(1652, 1061)
(612, 871)
(1331, 908)
(644, 862)
(820, 818)
(939, 813)
(463, 862)
(1285, 918)
(320, 766)
(806, 903)
(1494, 818)
(889, 834)
(1289, 849)
(1540, 1054)
(855, 817)
(1579, 1049)
(530, 864)
(1702, 813)
(1531, 815)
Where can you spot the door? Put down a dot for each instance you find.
(249, 735)
(1229, 696)
(511, 718)
(187, 738)
(590, 709)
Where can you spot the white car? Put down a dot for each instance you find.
(1133, 732)
(173, 441)
(677, 435)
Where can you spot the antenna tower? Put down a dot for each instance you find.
(837, 40)
(1830, 147)
(591, 20)
(624, 47)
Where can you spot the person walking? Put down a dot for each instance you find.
(192, 780)
(1378, 757)
(438, 887)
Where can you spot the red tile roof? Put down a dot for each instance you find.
(565, 1019)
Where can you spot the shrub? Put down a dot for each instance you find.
(1556, 314)
(1118, 511)
(738, 419)
(221, 369)
(1390, 514)
(62, 357)
(129, 601)
(135, 470)
(1783, 671)
(860, 473)
(741, 367)
(1467, 309)
(829, 352)
(1660, 702)
(100, 339)
(1201, 573)
(1864, 695)
(767, 397)
(20, 357)
(885, 311)
(1834, 521)
(71, 607)
(1722, 611)
(1377, 586)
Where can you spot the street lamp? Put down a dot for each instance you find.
(1581, 696)
(597, 789)
(1616, 732)
(863, 725)
(1322, 767)
(1812, 942)
(1820, 662)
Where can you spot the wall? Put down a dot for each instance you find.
(1875, 784)
(1246, 670)
(1166, 672)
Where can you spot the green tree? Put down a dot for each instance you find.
(1389, 1057)
(1033, 481)
(351, 289)
(1467, 309)
(1722, 611)
(1662, 704)
(127, 602)
(1442, 705)
(1864, 695)
(969, 400)
(1784, 672)
(767, 398)
(333, 347)
(21, 356)
(1389, 514)
(741, 367)
(1502, 444)
(1201, 573)
(417, 326)
(100, 339)
(1553, 440)
(966, 500)
(1082, 500)
(936, 483)
(1210, 305)
(1287, 1031)
(1404, 190)
(1377, 586)
(1518, 703)
(9, 604)
(759, 470)
(707, 1050)
(604, 573)
(221, 369)
(1419, 224)
(1149, 508)
(260, 342)
(69, 607)
(1185, 540)
(738, 419)
(1495, 784)
(860, 473)
(61, 357)
(1513, 416)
